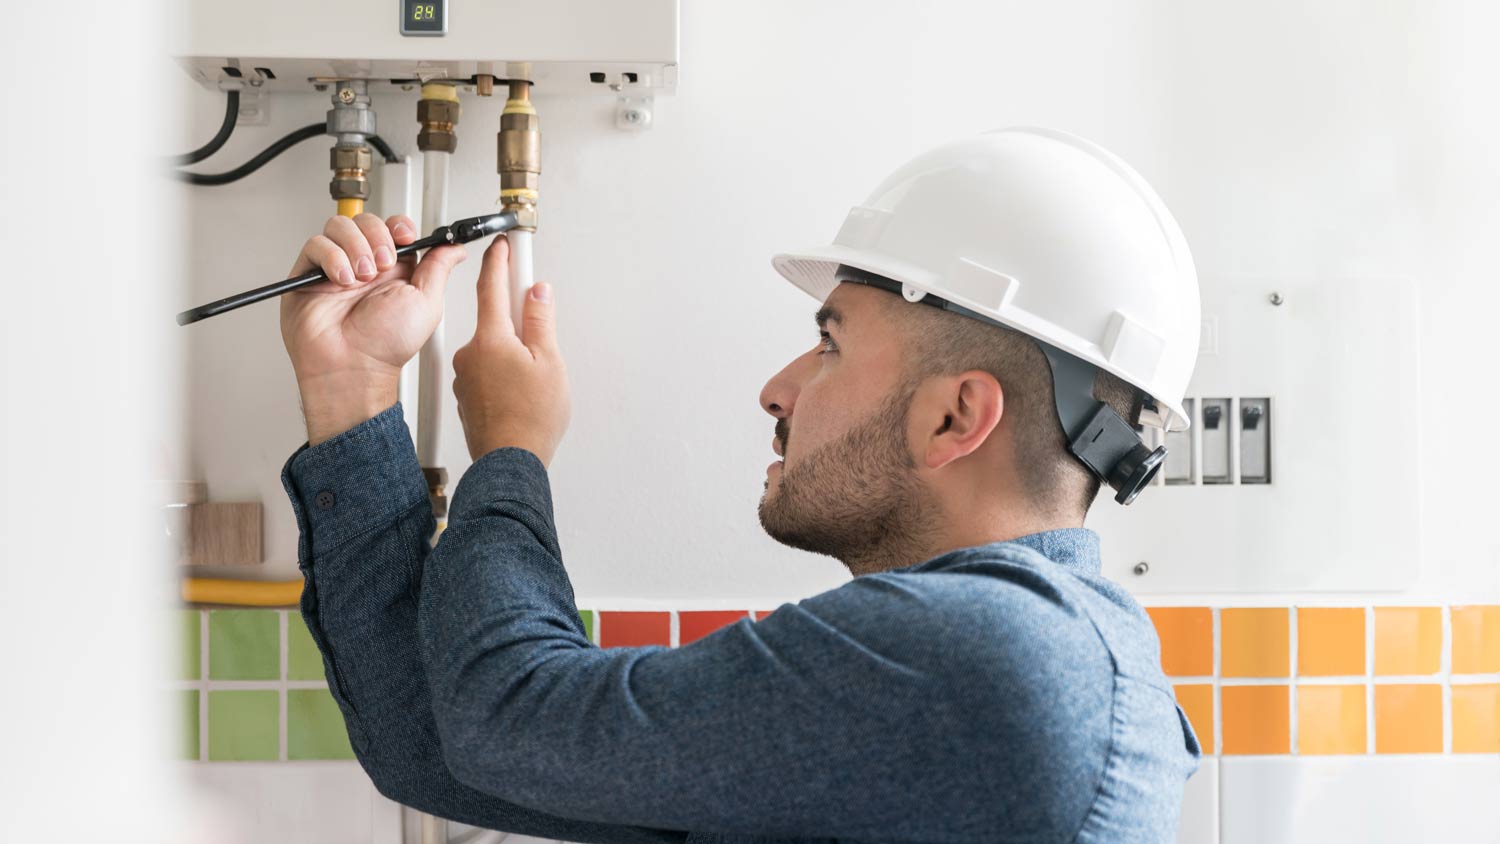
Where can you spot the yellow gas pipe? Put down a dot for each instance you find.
(243, 593)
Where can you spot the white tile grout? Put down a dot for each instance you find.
(1291, 692)
(674, 627)
(1217, 729)
(202, 685)
(282, 649)
(1445, 668)
(1369, 679)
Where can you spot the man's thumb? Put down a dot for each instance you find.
(538, 326)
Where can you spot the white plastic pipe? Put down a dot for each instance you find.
(520, 273)
(398, 195)
(431, 362)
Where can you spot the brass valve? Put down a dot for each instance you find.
(520, 155)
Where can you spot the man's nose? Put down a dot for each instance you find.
(780, 393)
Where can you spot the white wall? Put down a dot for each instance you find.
(1339, 138)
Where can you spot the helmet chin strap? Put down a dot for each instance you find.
(1098, 436)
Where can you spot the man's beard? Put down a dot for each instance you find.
(857, 499)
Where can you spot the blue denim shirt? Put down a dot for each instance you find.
(1005, 692)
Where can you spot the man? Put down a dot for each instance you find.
(976, 681)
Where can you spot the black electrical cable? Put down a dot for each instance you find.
(383, 148)
(311, 130)
(231, 112)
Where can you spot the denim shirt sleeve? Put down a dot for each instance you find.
(362, 510)
(825, 719)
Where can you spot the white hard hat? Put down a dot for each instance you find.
(1048, 234)
(1040, 231)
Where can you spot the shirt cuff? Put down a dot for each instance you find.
(353, 482)
(504, 474)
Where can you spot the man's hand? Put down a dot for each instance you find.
(512, 391)
(348, 337)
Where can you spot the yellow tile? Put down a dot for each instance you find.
(1408, 640)
(1197, 702)
(1330, 641)
(1256, 719)
(1330, 719)
(1476, 640)
(1409, 718)
(1187, 640)
(1254, 643)
(1476, 718)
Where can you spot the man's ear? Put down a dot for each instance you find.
(957, 414)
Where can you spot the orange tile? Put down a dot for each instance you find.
(1476, 718)
(632, 629)
(1197, 702)
(1330, 641)
(1408, 640)
(1254, 642)
(693, 625)
(1409, 718)
(1187, 640)
(1476, 640)
(1256, 719)
(1330, 719)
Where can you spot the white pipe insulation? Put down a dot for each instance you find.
(520, 273)
(431, 362)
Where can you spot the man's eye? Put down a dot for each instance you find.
(826, 342)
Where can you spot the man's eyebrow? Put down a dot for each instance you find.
(827, 314)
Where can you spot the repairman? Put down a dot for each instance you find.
(997, 321)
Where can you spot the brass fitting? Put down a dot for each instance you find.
(351, 166)
(520, 155)
(438, 112)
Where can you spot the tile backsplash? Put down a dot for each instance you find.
(1319, 681)
(1293, 680)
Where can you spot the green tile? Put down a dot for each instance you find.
(189, 644)
(315, 726)
(244, 645)
(588, 622)
(243, 726)
(303, 659)
(187, 714)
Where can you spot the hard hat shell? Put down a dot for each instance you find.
(1043, 232)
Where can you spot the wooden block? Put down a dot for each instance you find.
(225, 533)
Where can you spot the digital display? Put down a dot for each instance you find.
(424, 17)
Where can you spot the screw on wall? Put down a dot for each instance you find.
(1141, 568)
(633, 113)
(1276, 298)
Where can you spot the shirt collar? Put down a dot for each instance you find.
(1075, 549)
(1071, 548)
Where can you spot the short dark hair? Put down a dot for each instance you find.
(940, 342)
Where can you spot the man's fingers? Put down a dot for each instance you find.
(323, 253)
(403, 230)
(382, 246)
(431, 274)
(538, 320)
(494, 290)
(346, 233)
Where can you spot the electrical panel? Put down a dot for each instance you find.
(618, 47)
(1300, 471)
